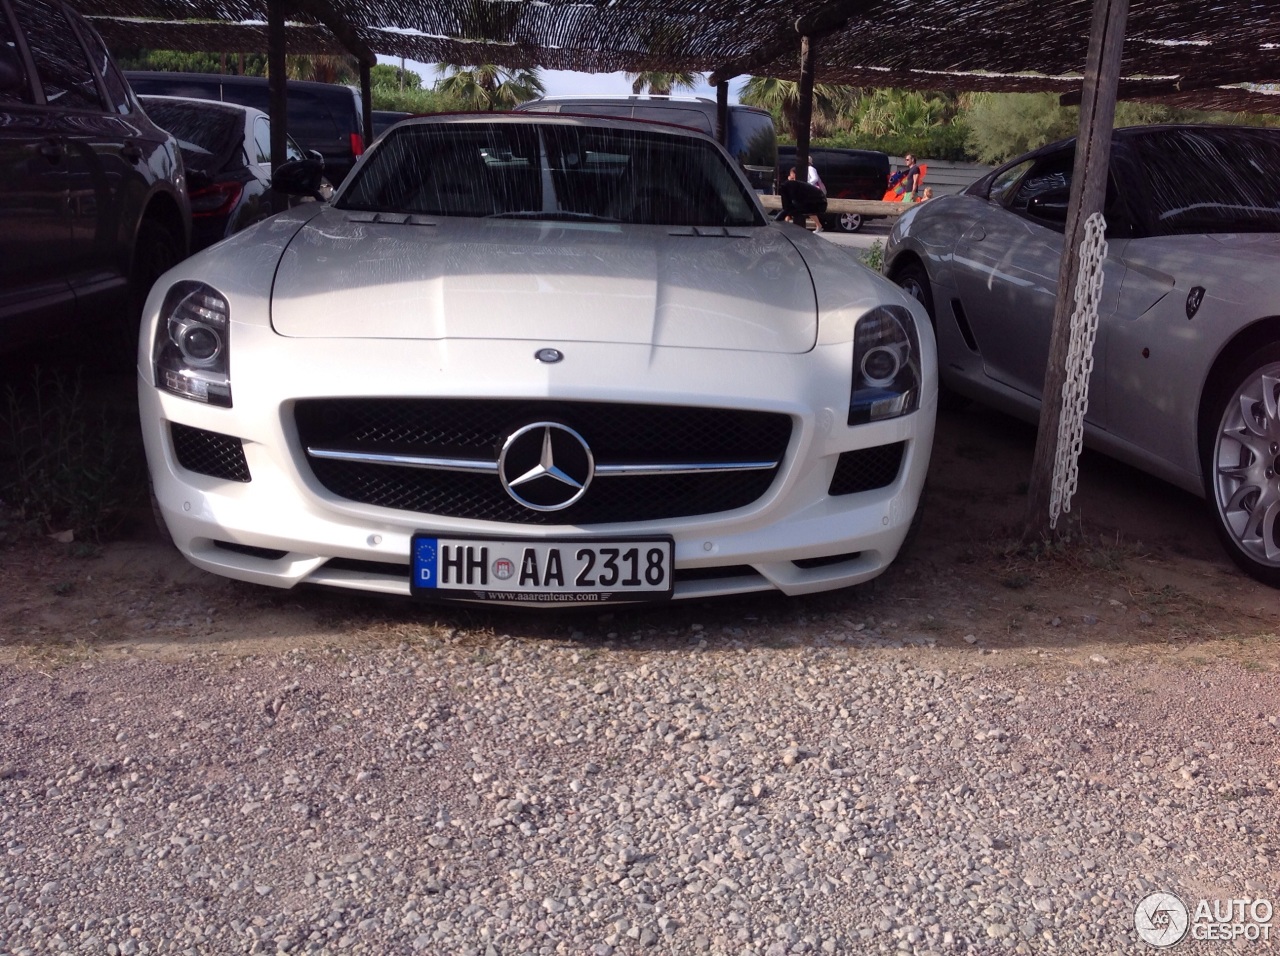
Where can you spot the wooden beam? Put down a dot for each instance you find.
(819, 23)
(343, 30)
(804, 111)
(1088, 194)
(276, 79)
(722, 113)
(1135, 89)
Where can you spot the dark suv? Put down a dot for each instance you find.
(847, 174)
(752, 139)
(92, 201)
(324, 117)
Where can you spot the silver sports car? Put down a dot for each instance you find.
(1186, 382)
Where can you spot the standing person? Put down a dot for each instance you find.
(910, 182)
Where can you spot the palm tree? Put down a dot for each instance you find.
(323, 69)
(661, 84)
(488, 86)
(782, 98)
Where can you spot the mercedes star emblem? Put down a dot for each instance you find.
(546, 466)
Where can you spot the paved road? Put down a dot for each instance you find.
(875, 229)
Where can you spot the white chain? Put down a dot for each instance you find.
(1075, 387)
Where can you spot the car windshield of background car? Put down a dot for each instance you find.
(207, 136)
(1212, 180)
(552, 171)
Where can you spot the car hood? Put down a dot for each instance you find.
(357, 275)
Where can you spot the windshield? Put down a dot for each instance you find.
(1212, 180)
(553, 171)
(208, 135)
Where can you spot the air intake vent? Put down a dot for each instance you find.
(209, 453)
(867, 469)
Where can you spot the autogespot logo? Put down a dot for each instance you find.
(1161, 919)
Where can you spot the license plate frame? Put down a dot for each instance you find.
(548, 582)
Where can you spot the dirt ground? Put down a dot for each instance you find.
(1142, 576)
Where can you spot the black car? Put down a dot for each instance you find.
(227, 152)
(383, 120)
(847, 174)
(93, 204)
(322, 116)
(751, 140)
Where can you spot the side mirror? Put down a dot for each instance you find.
(299, 177)
(316, 155)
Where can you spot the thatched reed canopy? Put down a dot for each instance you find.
(1193, 53)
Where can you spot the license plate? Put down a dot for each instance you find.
(548, 572)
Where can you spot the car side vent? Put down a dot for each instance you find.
(209, 453)
(866, 469)
(962, 322)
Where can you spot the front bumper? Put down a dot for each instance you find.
(283, 528)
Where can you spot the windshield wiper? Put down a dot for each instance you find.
(562, 215)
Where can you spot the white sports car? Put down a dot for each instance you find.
(537, 359)
(1186, 375)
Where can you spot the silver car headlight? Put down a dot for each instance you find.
(886, 366)
(192, 348)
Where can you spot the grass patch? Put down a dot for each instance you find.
(873, 257)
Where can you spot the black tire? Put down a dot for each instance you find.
(1240, 462)
(156, 251)
(847, 222)
(915, 281)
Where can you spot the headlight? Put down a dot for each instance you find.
(886, 366)
(191, 351)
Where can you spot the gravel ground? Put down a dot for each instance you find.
(677, 791)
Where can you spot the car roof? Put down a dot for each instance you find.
(232, 79)
(213, 106)
(556, 119)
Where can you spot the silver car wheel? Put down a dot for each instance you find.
(1246, 463)
(850, 222)
(912, 287)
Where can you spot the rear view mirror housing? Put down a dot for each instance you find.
(299, 177)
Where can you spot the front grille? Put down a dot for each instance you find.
(476, 429)
(209, 453)
(867, 469)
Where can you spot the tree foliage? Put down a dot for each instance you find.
(662, 84)
(782, 99)
(488, 86)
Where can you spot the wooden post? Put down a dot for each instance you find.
(366, 100)
(1088, 194)
(276, 79)
(722, 113)
(804, 109)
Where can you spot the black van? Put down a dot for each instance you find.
(322, 116)
(847, 174)
(752, 139)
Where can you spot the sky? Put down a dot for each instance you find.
(567, 83)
